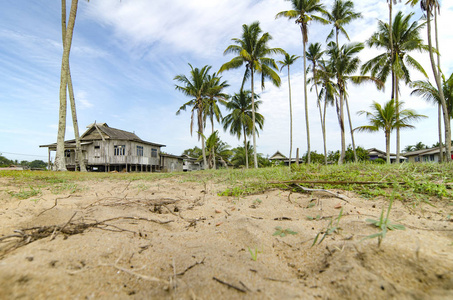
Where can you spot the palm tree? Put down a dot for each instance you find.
(342, 14)
(214, 95)
(241, 155)
(314, 55)
(433, 7)
(240, 121)
(408, 148)
(195, 86)
(304, 11)
(386, 119)
(287, 62)
(217, 150)
(344, 63)
(406, 38)
(60, 164)
(430, 93)
(420, 146)
(253, 50)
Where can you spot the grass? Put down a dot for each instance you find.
(413, 183)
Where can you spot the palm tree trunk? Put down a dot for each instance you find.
(200, 133)
(306, 106)
(75, 124)
(255, 160)
(397, 111)
(246, 151)
(60, 163)
(441, 92)
(387, 146)
(213, 148)
(439, 124)
(324, 130)
(350, 127)
(290, 121)
(341, 120)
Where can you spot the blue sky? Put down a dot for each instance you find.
(126, 53)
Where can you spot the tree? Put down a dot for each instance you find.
(343, 64)
(240, 121)
(406, 38)
(193, 152)
(253, 51)
(420, 146)
(241, 155)
(305, 11)
(214, 95)
(430, 93)
(195, 86)
(408, 148)
(60, 163)
(287, 62)
(217, 150)
(388, 118)
(433, 7)
(342, 14)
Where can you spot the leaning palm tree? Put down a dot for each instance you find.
(214, 95)
(406, 38)
(431, 94)
(240, 120)
(344, 63)
(388, 118)
(287, 62)
(432, 7)
(305, 11)
(253, 51)
(60, 164)
(195, 86)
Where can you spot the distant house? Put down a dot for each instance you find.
(109, 149)
(374, 154)
(425, 155)
(278, 157)
(191, 163)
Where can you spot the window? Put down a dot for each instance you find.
(97, 147)
(119, 150)
(153, 152)
(67, 153)
(139, 150)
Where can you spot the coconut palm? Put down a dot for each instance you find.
(305, 11)
(287, 62)
(196, 86)
(240, 121)
(431, 94)
(253, 51)
(217, 150)
(214, 95)
(314, 55)
(406, 38)
(342, 14)
(432, 7)
(408, 148)
(343, 64)
(388, 118)
(241, 155)
(60, 164)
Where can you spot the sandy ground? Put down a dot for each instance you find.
(169, 239)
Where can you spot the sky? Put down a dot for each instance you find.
(125, 55)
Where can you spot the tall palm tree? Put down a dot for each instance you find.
(344, 63)
(305, 11)
(240, 120)
(253, 51)
(314, 56)
(432, 7)
(386, 119)
(342, 14)
(287, 62)
(406, 38)
(430, 93)
(60, 164)
(214, 95)
(196, 86)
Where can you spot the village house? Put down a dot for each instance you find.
(108, 149)
(278, 157)
(374, 154)
(425, 155)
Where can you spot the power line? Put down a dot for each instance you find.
(1, 152)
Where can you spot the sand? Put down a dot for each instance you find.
(170, 239)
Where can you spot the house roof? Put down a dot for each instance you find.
(101, 131)
(278, 156)
(423, 152)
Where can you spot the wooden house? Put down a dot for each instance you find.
(278, 158)
(425, 155)
(374, 154)
(108, 149)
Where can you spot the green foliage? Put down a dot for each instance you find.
(283, 232)
(330, 229)
(384, 224)
(25, 194)
(254, 253)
